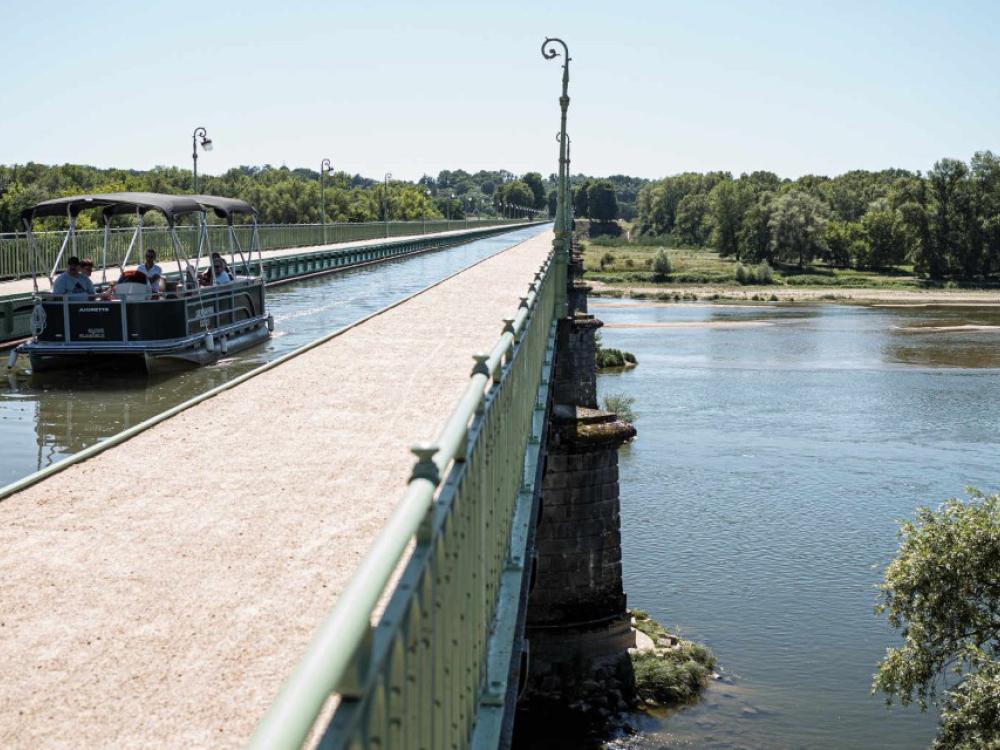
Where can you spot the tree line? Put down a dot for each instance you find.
(282, 195)
(946, 223)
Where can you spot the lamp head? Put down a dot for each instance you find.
(206, 143)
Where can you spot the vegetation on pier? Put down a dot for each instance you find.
(942, 592)
(675, 671)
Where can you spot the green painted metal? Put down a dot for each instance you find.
(564, 220)
(15, 260)
(439, 655)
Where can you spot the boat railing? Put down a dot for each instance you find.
(15, 256)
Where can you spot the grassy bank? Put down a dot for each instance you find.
(618, 263)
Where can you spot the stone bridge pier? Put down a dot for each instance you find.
(578, 629)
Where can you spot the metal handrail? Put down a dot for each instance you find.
(346, 655)
(16, 263)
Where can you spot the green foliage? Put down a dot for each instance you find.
(581, 200)
(671, 676)
(942, 592)
(661, 265)
(947, 223)
(602, 202)
(621, 406)
(534, 181)
(607, 259)
(797, 223)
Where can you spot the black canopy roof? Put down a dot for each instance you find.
(171, 206)
(225, 207)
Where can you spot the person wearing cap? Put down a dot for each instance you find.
(72, 282)
(152, 271)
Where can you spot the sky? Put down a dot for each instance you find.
(410, 88)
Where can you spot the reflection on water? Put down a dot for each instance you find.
(46, 417)
(760, 500)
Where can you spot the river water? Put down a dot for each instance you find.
(44, 418)
(778, 447)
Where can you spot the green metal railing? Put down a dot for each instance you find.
(15, 256)
(433, 672)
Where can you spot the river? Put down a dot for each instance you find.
(778, 448)
(44, 418)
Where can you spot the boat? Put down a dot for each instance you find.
(193, 318)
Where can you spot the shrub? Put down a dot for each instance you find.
(661, 265)
(763, 273)
(744, 275)
(621, 405)
(674, 676)
(606, 260)
(629, 263)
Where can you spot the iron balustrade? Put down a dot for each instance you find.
(15, 257)
(433, 672)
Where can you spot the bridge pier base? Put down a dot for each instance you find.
(578, 628)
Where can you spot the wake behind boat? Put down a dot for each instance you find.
(194, 315)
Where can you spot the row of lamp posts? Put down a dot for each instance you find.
(563, 217)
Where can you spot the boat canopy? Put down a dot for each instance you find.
(225, 208)
(171, 206)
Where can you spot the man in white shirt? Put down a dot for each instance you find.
(72, 283)
(152, 271)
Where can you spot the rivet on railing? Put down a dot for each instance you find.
(425, 468)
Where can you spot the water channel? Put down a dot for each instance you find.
(44, 418)
(778, 447)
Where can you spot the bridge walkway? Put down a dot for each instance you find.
(158, 594)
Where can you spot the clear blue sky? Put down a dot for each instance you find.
(414, 87)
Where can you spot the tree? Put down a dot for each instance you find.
(553, 201)
(727, 203)
(886, 243)
(942, 592)
(534, 181)
(754, 238)
(691, 222)
(845, 243)
(602, 201)
(797, 224)
(581, 206)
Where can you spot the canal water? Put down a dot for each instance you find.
(44, 418)
(778, 448)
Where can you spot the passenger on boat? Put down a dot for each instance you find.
(152, 272)
(72, 283)
(87, 267)
(219, 270)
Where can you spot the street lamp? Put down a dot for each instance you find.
(385, 202)
(563, 234)
(427, 195)
(325, 167)
(449, 209)
(206, 143)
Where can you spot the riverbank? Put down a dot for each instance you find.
(672, 292)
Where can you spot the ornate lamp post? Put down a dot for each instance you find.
(206, 143)
(427, 194)
(562, 227)
(385, 202)
(325, 167)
